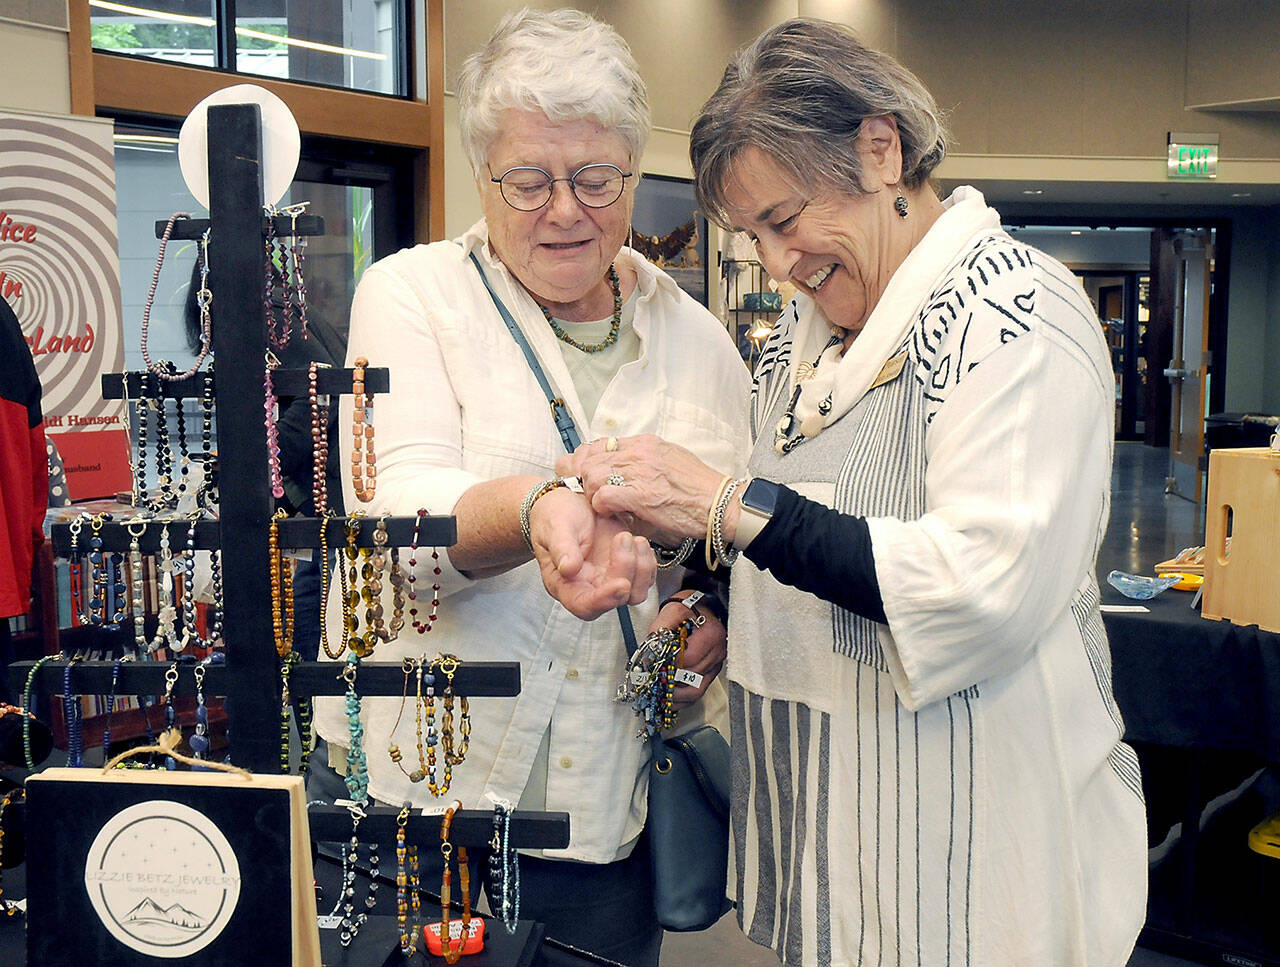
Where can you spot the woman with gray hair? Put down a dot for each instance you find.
(554, 119)
(928, 760)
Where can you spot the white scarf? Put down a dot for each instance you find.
(845, 378)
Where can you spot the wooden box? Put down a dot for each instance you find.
(1243, 586)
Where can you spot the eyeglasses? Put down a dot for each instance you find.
(528, 188)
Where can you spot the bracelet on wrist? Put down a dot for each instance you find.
(668, 557)
(717, 552)
(536, 493)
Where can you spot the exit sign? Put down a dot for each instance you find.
(1193, 157)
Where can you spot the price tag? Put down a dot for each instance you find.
(329, 923)
(685, 677)
(474, 942)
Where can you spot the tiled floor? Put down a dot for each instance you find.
(1147, 526)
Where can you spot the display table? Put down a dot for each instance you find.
(1193, 683)
(1201, 691)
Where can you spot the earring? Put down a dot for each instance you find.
(900, 204)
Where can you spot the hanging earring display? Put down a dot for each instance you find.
(364, 470)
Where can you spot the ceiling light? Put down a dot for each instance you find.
(1033, 191)
(1242, 194)
(1076, 231)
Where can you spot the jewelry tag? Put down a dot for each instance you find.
(474, 942)
(890, 370)
(329, 923)
(433, 810)
(345, 803)
(686, 677)
(573, 483)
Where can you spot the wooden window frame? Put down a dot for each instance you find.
(108, 83)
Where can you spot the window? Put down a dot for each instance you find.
(358, 45)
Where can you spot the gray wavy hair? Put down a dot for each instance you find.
(564, 63)
(800, 92)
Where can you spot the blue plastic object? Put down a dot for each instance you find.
(1139, 586)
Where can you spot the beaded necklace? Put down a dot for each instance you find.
(319, 444)
(71, 714)
(408, 937)
(351, 922)
(324, 586)
(205, 331)
(608, 340)
(27, 713)
(273, 429)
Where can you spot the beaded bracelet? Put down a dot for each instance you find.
(422, 627)
(357, 777)
(716, 551)
(29, 716)
(504, 867)
(536, 493)
(351, 922)
(408, 937)
(364, 469)
(72, 716)
(327, 516)
(319, 441)
(451, 954)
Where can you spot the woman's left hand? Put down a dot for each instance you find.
(590, 564)
(660, 484)
(704, 650)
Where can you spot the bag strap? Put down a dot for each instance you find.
(559, 412)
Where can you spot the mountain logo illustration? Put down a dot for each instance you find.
(177, 914)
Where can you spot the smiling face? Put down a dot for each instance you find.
(561, 253)
(840, 249)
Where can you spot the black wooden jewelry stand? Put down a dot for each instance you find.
(250, 677)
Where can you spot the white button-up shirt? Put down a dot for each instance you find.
(464, 407)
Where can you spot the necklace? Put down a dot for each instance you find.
(608, 340)
(783, 439)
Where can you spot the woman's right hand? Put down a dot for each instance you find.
(658, 483)
(589, 563)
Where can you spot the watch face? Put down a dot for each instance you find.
(761, 496)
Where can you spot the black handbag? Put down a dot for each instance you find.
(688, 826)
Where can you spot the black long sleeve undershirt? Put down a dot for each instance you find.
(822, 551)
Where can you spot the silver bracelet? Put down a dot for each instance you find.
(668, 557)
(536, 493)
(725, 555)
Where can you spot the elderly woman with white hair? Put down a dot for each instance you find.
(554, 119)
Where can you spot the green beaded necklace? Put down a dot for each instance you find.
(608, 340)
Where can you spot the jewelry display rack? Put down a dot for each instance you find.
(249, 679)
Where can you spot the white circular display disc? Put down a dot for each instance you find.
(281, 142)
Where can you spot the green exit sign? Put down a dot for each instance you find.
(1193, 157)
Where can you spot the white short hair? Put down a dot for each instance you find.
(564, 63)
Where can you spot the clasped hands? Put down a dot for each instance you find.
(593, 548)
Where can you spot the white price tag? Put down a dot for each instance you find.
(329, 923)
(685, 677)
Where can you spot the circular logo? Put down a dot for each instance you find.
(162, 878)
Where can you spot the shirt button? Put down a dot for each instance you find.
(566, 762)
(571, 674)
(611, 424)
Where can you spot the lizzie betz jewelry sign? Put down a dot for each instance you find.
(154, 866)
(162, 878)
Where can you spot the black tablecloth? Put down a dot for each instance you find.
(1191, 682)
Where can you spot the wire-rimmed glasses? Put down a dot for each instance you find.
(527, 188)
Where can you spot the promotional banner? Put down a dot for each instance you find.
(60, 272)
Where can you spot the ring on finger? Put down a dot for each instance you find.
(616, 480)
(610, 444)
